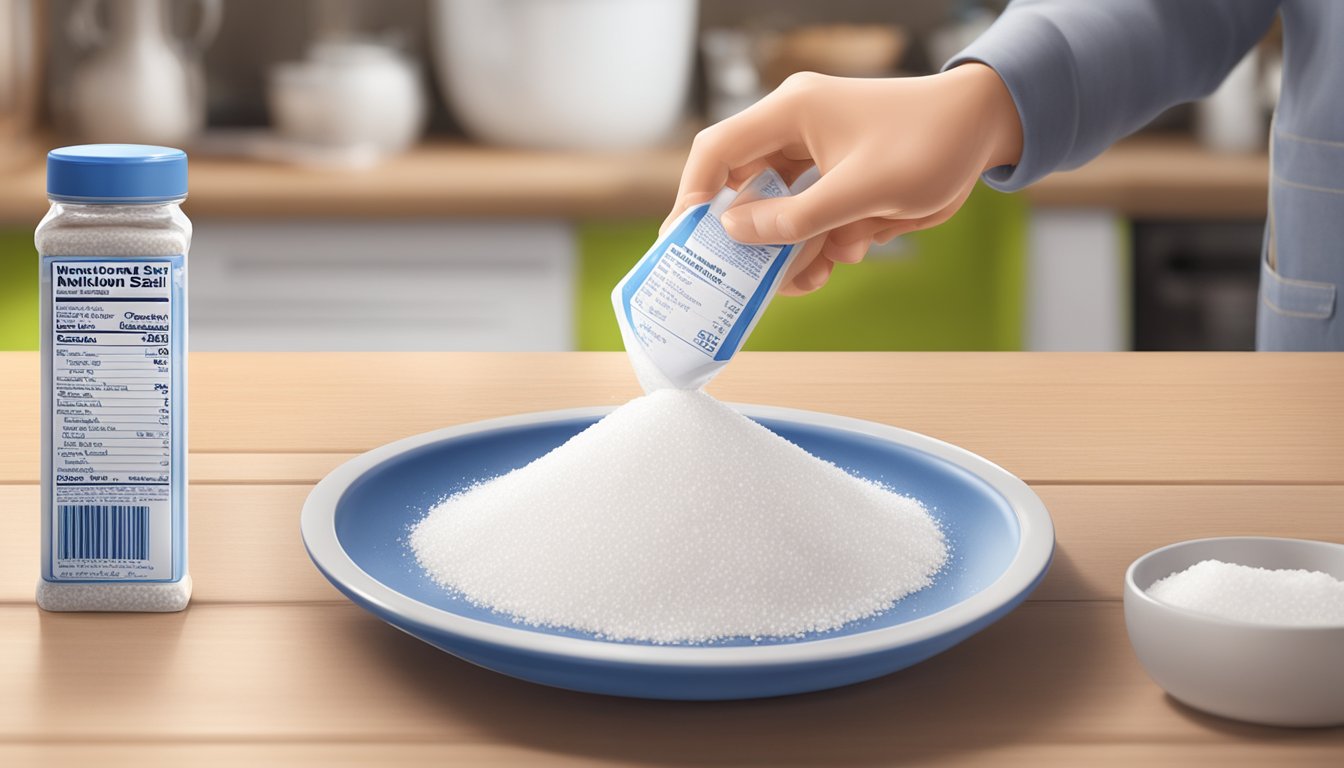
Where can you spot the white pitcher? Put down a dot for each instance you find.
(139, 84)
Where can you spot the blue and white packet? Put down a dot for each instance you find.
(691, 302)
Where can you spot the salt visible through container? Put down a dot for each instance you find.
(1284, 597)
(114, 481)
(675, 519)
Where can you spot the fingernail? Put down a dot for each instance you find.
(737, 225)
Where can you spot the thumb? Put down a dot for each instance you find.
(833, 201)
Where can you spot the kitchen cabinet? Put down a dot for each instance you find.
(382, 284)
(1082, 292)
(1102, 282)
(543, 284)
(18, 289)
(1196, 284)
(539, 284)
(1078, 286)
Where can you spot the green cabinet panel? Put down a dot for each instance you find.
(959, 286)
(18, 290)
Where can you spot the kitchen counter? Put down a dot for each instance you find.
(1163, 177)
(1156, 177)
(270, 663)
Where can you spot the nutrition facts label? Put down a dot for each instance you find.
(698, 289)
(112, 432)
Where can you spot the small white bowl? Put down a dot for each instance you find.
(1260, 673)
(349, 95)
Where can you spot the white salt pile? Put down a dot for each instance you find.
(677, 519)
(1256, 595)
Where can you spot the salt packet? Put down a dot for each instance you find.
(693, 299)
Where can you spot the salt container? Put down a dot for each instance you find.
(113, 250)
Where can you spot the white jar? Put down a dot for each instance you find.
(113, 250)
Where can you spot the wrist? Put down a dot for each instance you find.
(996, 110)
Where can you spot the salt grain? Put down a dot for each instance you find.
(114, 230)
(1256, 595)
(676, 519)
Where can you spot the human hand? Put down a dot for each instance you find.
(896, 155)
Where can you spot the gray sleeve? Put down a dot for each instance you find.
(1084, 73)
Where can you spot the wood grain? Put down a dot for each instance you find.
(1052, 673)
(245, 545)
(322, 754)
(1047, 417)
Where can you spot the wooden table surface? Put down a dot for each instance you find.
(271, 664)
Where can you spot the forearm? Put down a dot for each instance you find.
(1083, 73)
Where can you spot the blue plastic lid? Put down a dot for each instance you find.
(116, 173)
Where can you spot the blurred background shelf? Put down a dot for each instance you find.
(445, 178)
(1149, 177)
(1155, 176)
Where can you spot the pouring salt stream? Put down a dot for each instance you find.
(675, 519)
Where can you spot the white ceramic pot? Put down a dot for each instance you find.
(566, 74)
(349, 95)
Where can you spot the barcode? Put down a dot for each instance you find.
(103, 532)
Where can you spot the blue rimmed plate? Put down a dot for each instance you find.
(355, 525)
